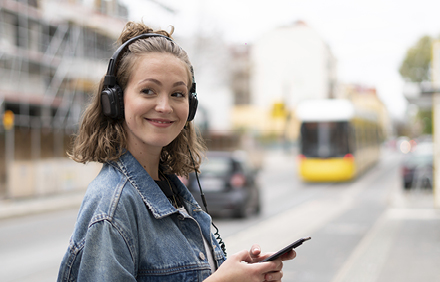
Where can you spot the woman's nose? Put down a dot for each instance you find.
(163, 105)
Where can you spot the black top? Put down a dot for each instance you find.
(169, 189)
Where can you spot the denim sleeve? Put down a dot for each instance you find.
(106, 255)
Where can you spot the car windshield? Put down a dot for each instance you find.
(215, 166)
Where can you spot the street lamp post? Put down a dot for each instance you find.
(8, 124)
(435, 69)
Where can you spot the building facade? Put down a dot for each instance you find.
(52, 55)
(290, 64)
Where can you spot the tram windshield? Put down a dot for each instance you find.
(324, 139)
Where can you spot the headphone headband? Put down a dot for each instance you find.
(110, 77)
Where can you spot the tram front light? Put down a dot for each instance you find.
(349, 157)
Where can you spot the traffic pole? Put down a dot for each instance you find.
(435, 71)
(8, 124)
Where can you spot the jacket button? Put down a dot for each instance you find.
(180, 217)
(202, 256)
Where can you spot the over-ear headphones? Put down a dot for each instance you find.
(112, 95)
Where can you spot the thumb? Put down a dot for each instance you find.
(242, 256)
(255, 251)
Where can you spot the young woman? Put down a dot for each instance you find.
(138, 222)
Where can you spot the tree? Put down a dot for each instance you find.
(416, 66)
(425, 116)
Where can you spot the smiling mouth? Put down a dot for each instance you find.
(160, 121)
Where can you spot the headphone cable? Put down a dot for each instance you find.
(202, 195)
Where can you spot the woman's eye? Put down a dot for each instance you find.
(147, 91)
(178, 94)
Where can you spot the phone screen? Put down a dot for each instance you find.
(287, 249)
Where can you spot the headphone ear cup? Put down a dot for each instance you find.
(193, 103)
(112, 102)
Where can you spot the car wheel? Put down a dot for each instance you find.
(426, 183)
(258, 208)
(241, 212)
(258, 205)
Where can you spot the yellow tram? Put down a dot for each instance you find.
(338, 141)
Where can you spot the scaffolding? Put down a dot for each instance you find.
(51, 55)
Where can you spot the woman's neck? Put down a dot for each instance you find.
(152, 169)
(149, 161)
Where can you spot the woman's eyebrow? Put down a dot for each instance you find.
(179, 83)
(160, 83)
(152, 80)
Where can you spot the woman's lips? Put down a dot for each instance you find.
(160, 122)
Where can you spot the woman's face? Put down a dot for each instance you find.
(155, 102)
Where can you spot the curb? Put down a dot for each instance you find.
(22, 207)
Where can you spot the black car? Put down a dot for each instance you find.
(417, 167)
(228, 181)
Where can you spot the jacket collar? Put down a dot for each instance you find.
(150, 192)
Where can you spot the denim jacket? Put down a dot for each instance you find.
(127, 230)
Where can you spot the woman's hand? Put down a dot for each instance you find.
(255, 255)
(256, 251)
(245, 267)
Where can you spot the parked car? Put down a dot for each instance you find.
(229, 182)
(417, 166)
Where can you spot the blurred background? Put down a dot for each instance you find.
(319, 117)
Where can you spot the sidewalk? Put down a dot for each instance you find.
(10, 208)
(404, 244)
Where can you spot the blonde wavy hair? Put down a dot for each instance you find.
(102, 139)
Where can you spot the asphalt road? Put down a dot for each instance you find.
(352, 225)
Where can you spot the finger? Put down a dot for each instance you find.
(289, 255)
(241, 256)
(271, 266)
(273, 276)
(255, 251)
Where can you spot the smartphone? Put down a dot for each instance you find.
(287, 249)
